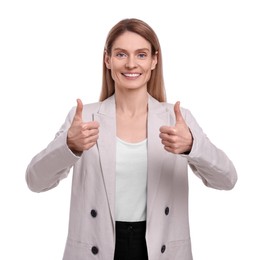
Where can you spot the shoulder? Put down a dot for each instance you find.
(166, 106)
(87, 113)
(105, 107)
(91, 107)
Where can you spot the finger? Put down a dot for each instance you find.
(178, 115)
(168, 138)
(169, 145)
(91, 125)
(167, 130)
(86, 141)
(91, 132)
(79, 109)
(89, 145)
(171, 150)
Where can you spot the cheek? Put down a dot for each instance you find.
(116, 68)
(115, 72)
(149, 65)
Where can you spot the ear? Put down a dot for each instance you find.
(155, 60)
(107, 60)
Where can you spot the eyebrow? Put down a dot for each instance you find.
(138, 50)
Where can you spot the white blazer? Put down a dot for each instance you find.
(91, 233)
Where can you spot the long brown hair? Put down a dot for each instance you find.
(155, 86)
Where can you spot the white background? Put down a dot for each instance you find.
(51, 54)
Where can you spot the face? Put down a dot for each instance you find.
(131, 61)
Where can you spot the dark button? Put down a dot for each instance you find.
(94, 250)
(163, 249)
(166, 211)
(93, 213)
(130, 228)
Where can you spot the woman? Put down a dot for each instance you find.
(130, 154)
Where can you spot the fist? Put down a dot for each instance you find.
(82, 135)
(177, 139)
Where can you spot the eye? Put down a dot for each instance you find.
(142, 55)
(120, 55)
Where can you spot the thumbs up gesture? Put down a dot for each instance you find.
(81, 135)
(177, 139)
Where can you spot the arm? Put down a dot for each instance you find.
(53, 163)
(207, 161)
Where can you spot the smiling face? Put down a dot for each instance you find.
(131, 61)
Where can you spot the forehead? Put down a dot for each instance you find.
(131, 41)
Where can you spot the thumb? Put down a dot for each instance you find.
(78, 113)
(178, 115)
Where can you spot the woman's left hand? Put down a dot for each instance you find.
(177, 139)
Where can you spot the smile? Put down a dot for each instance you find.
(131, 75)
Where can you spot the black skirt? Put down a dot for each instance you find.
(130, 241)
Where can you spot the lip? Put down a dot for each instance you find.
(134, 75)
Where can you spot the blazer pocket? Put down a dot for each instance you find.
(180, 250)
(75, 243)
(76, 250)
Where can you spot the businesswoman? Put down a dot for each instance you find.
(130, 154)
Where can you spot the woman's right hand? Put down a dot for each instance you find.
(82, 135)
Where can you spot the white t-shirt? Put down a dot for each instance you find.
(131, 181)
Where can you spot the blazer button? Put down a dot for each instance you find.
(94, 250)
(163, 249)
(93, 213)
(166, 211)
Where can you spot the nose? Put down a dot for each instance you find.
(131, 63)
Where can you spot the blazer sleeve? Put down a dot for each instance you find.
(207, 161)
(52, 164)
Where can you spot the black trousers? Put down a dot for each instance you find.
(130, 241)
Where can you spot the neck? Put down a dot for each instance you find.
(131, 102)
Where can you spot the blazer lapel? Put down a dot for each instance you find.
(158, 116)
(106, 143)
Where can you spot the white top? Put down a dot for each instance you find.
(131, 181)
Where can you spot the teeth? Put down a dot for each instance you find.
(131, 74)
